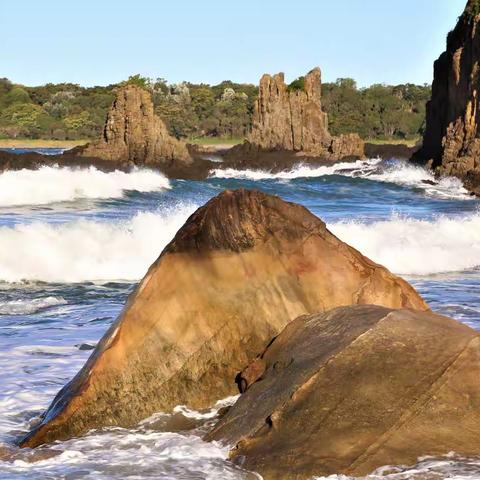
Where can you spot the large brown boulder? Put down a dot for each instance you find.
(290, 118)
(354, 389)
(452, 139)
(134, 134)
(241, 268)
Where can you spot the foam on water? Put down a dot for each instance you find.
(451, 466)
(29, 306)
(61, 184)
(99, 251)
(399, 172)
(87, 250)
(417, 247)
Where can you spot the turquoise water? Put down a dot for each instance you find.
(73, 244)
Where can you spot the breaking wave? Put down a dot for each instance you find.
(30, 306)
(417, 247)
(87, 250)
(399, 172)
(99, 251)
(63, 184)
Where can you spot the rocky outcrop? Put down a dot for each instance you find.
(239, 270)
(355, 389)
(290, 118)
(134, 134)
(451, 143)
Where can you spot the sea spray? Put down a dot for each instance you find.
(417, 247)
(397, 172)
(61, 184)
(101, 251)
(88, 250)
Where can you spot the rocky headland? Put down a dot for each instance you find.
(290, 126)
(451, 144)
(240, 269)
(134, 134)
(355, 389)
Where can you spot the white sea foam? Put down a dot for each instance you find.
(87, 250)
(99, 251)
(29, 306)
(61, 184)
(398, 172)
(299, 171)
(417, 247)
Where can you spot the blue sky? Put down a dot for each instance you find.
(97, 42)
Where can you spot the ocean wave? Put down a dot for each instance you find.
(299, 171)
(87, 250)
(61, 184)
(98, 251)
(399, 172)
(417, 247)
(29, 306)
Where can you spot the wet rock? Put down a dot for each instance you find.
(239, 270)
(451, 143)
(357, 388)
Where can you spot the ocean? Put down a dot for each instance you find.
(74, 243)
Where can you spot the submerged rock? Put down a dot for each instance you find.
(451, 143)
(133, 133)
(239, 270)
(356, 388)
(290, 118)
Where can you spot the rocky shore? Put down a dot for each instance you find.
(341, 366)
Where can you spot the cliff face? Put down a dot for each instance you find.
(291, 118)
(239, 270)
(133, 133)
(451, 142)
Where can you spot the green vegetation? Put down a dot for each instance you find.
(377, 112)
(220, 113)
(215, 141)
(297, 85)
(473, 8)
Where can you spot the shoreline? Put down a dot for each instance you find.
(40, 143)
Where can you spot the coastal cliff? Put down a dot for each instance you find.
(451, 143)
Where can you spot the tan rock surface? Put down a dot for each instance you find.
(133, 133)
(291, 118)
(355, 389)
(236, 273)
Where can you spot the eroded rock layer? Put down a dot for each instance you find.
(239, 270)
(133, 133)
(355, 389)
(452, 138)
(290, 118)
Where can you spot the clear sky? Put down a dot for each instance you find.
(97, 42)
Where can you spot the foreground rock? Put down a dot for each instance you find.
(134, 134)
(289, 118)
(354, 389)
(451, 144)
(240, 269)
